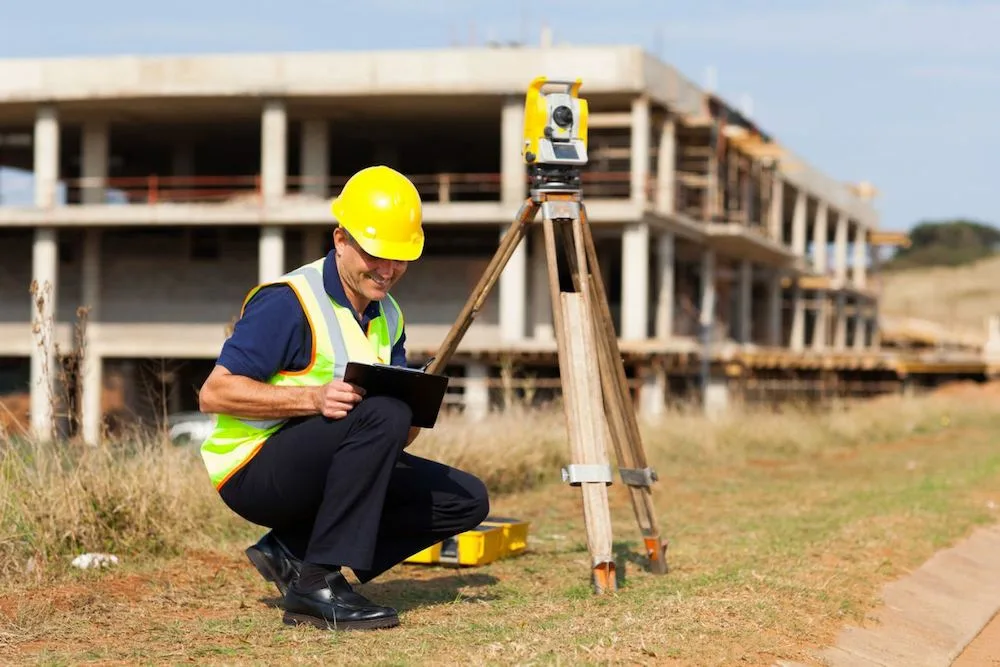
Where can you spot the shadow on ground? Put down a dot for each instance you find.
(408, 594)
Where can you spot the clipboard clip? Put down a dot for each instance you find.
(423, 369)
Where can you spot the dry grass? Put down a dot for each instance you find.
(782, 528)
(961, 296)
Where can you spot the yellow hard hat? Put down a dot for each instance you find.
(381, 209)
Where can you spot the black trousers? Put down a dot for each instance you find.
(344, 493)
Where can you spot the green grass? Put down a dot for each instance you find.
(782, 529)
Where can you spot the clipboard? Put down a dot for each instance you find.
(423, 392)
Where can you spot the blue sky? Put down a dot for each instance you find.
(901, 93)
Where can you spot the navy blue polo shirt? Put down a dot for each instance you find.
(273, 334)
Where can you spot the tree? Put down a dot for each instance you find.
(947, 243)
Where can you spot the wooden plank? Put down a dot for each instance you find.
(587, 441)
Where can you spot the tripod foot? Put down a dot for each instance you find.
(656, 552)
(604, 578)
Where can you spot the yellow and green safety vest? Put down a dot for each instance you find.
(336, 339)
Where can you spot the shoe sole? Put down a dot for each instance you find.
(373, 624)
(263, 565)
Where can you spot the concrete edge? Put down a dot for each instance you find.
(930, 616)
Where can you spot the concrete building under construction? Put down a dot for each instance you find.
(164, 188)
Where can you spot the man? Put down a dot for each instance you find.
(298, 450)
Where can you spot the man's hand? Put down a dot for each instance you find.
(335, 399)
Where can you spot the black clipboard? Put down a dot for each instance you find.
(423, 392)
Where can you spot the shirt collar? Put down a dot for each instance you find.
(335, 288)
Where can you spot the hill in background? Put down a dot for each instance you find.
(950, 274)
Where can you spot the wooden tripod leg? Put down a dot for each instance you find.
(582, 406)
(624, 428)
(486, 283)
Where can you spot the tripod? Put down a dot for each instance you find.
(596, 401)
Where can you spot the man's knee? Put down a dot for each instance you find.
(478, 503)
(390, 415)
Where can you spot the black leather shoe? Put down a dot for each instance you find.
(274, 562)
(336, 607)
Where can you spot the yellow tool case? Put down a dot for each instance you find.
(494, 538)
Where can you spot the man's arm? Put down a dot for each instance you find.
(269, 337)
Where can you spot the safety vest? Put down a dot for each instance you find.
(336, 339)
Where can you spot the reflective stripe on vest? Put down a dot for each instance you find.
(340, 358)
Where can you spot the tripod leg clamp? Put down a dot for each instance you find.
(638, 476)
(577, 474)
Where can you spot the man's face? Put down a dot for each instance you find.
(365, 274)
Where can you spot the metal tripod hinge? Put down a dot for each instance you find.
(638, 476)
(577, 473)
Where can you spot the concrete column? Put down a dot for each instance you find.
(860, 326)
(799, 224)
(820, 233)
(798, 318)
(707, 307)
(45, 270)
(777, 222)
(95, 162)
(774, 307)
(822, 316)
(840, 325)
(860, 256)
(274, 170)
(664, 328)
(640, 151)
(840, 251)
(271, 253)
(513, 178)
(635, 282)
(46, 160)
(653, 395)
(513, 293)
(541, 300)
(666, 161)
(274, 150)
(315, 160)
(91, 412)
(477, 391)
(746, 302)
